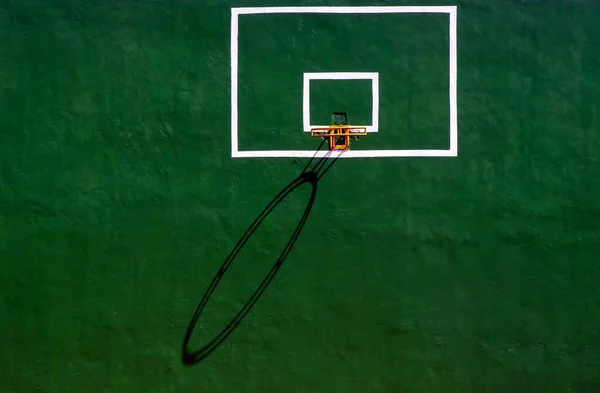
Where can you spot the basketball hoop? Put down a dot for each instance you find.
(339, 134)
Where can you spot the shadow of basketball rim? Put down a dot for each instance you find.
(307, 176)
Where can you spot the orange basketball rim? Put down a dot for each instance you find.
(339, 136)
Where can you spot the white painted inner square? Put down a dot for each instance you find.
(372, 76)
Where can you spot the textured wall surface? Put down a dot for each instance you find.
(119, 201)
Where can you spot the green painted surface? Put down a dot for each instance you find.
(119, 201)
(330, 96)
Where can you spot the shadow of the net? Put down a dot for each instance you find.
(311, 175)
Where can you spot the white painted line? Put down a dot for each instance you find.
(308, 76)
(453, 83)
(346, 154)
(306, 102)
(234, 82)
(344, 10)
(340, 75)
(375, 103)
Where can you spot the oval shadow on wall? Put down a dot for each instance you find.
(307, 177)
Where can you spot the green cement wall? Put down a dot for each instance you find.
(119, 201)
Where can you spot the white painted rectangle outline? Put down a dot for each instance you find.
(452, 35)
(372, 76)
